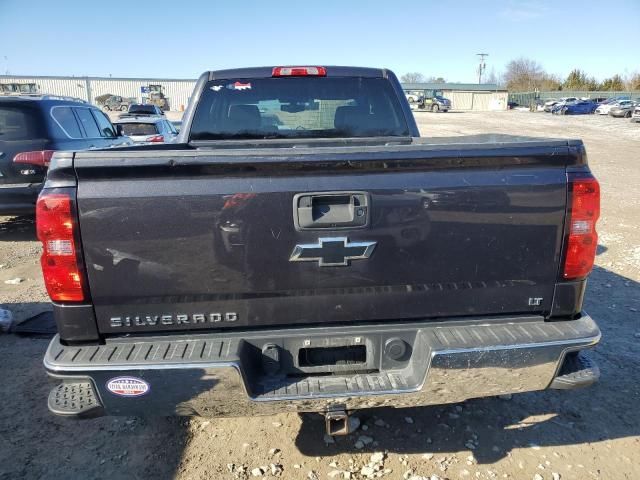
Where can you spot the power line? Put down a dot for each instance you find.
(482, 66)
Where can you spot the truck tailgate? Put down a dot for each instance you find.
(204, 239)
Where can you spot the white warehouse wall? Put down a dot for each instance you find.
(88, 88)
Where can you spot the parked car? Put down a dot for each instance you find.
(139, 109)
(147, 129)
(177, 124)
(605, 108)
(622, 109)
(580, 107)
(598, 100)
(551, 103)
(414, 97)
(429, 100)
(32, 128)
(116, 102)
(368, 272)
(635, 116)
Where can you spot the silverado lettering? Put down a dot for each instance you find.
(178, 319)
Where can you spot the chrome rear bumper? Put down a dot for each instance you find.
(222, 374)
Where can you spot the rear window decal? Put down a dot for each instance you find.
(239, 86)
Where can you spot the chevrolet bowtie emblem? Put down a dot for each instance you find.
(332, 252)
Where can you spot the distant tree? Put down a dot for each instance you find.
(412, 77)
(633, 83)
(614, 83)
(550, 83)
(492, 77)
(101, 99)
(578, 80)
(436, 80)
(523, 75)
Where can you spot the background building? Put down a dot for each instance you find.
(88, 88)
(463, 96)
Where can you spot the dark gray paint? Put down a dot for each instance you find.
(463, 226)
(454, 238)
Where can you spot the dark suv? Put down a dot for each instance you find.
(143, 109)
(31, 129)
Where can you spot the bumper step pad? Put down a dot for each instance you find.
(75, 400)
(578, 370)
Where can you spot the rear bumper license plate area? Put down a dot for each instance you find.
(314, 369)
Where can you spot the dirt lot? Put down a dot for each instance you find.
(592, 433)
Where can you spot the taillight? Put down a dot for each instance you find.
(582, 239)
(41, 158)
(156, 139)
(55, 225)
(299, 72)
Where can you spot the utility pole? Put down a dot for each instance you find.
(481, 66)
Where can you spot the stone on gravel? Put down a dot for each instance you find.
(276, 424)
(312, 475)
(379, 423)
(276, 469)
(274, 451)
(537, 476)
(409, 420)
(377, 457)
(14, 281)
(555, 476)
(354, 424)
(6, 320)
(367, 471)
(257, 472)
(427, 456)
(365, 439)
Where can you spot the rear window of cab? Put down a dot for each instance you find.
(298, 107)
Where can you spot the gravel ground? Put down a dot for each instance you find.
(591, 433)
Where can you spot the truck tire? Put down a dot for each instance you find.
(411, 100)
(124, 108)
(435, 108)
(107, 108)
(627, 114)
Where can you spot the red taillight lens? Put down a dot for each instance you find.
(299, 72)
(60, 268)
(582, 239)
(156, 139)
(41, 158)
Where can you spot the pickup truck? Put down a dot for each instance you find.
(301, 248)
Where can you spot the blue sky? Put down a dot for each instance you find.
(181, 39)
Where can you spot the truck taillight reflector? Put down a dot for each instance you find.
(55, 225)
(299, 72)
(582, 239)
(41, 158)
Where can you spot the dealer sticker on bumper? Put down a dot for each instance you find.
(128, 386)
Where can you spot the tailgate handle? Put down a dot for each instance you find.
(331, 210)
